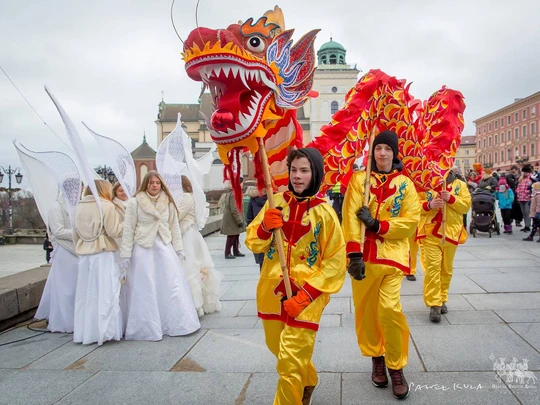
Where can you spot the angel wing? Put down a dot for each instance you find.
(120, 160)
(170, 161)
(66, 173)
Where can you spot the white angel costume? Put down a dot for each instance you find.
(158, 294)
(203, 279)
(58, 300)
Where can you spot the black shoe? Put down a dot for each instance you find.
(526, 229)
(444, 309)
(229, 257)
(528, 239)
(307, 399)
(378, 372)
(435, 314)
(411, 277)
(239, 254)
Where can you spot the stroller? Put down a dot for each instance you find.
(483, 213)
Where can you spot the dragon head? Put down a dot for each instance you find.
(254, 74)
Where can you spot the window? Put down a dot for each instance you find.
(516, 154)
(334, 107)
(489, 159)
(496, 156)
(333, 59)
(496, 125)
(457, 161)
(533, 111)
(516, 133)
(495, 140)
(467, 152)
(484, 159)
(516, 117)
(509, 154)
(489, 141)
(466, 161)
(484, 142)
(502, 155)
(524, 130)
(524, 114)
(509, 135)
(524, 150)
(509, 120)
(490, 126)
(334, 89)
(502, 122)
(485, 128)
(533, 128)
(532, 149)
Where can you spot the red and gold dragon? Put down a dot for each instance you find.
(258, 79)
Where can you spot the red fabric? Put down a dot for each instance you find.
(451, 200)
(312, 291)
(384, 226)
(353, 247)
(263, 233)
(425, 206)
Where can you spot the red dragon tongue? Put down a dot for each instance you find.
(222, 120)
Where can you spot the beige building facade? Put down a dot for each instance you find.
(510, 135)
(466, 154)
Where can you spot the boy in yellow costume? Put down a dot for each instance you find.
(391, 218)
(315, 254)
(438, 259)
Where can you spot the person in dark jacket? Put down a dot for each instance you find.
(232, 224)
(256, 202)
(47, 247)
(512, 180)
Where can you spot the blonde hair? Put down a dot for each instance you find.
(186, 185)
(144, 185)
(115, 188)
(104, 190)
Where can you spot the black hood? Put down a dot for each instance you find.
(260, 201)
(317, 171)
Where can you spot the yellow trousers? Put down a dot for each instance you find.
(414, 253)
(438, 263)
(381, 326)
(293, 348)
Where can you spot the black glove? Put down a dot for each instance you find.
(240, 225)
(364, 215)
(357, 267)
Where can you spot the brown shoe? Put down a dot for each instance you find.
(378, 372)
(307, 399)
(400, 388)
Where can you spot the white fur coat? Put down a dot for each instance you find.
(143, 221)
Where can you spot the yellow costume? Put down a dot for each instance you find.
(413, 244)
(315, 253)
(381, 326)
(438, 259)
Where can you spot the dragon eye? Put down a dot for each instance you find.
(256, 44)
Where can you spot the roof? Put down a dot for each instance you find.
(190, 112)
(331, 46)
(518, 103)
(144, 151)
(468, 140)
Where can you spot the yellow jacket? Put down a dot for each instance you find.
(394, 202)
(458, 205)
(315, 253)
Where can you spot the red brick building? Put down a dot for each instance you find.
(144, 158)
(510, 134)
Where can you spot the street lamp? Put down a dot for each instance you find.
(18, 178)
(106, 173)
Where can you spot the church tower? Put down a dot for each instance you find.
(333, 80)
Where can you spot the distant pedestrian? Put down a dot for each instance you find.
(523, 195)
(512, 179)
(232, 224)
(505, 196)
(48, 248)
(256, 202)
(534, 211)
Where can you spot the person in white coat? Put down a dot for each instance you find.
(159, 297)
(58, 298)
(203, 279)
(97, 301)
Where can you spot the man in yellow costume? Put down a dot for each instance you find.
(391, 218)
(315, 254)
(438, 259)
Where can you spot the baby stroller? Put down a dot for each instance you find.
(483, 213)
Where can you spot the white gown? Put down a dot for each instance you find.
(204, 281)
(158, 295)
(58, 299)
(97, 303)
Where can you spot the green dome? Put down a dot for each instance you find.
(331, 46)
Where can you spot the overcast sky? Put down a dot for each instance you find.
(108, 61)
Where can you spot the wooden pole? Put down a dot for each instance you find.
(367, 185)
(277, 232)
(443, 224)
